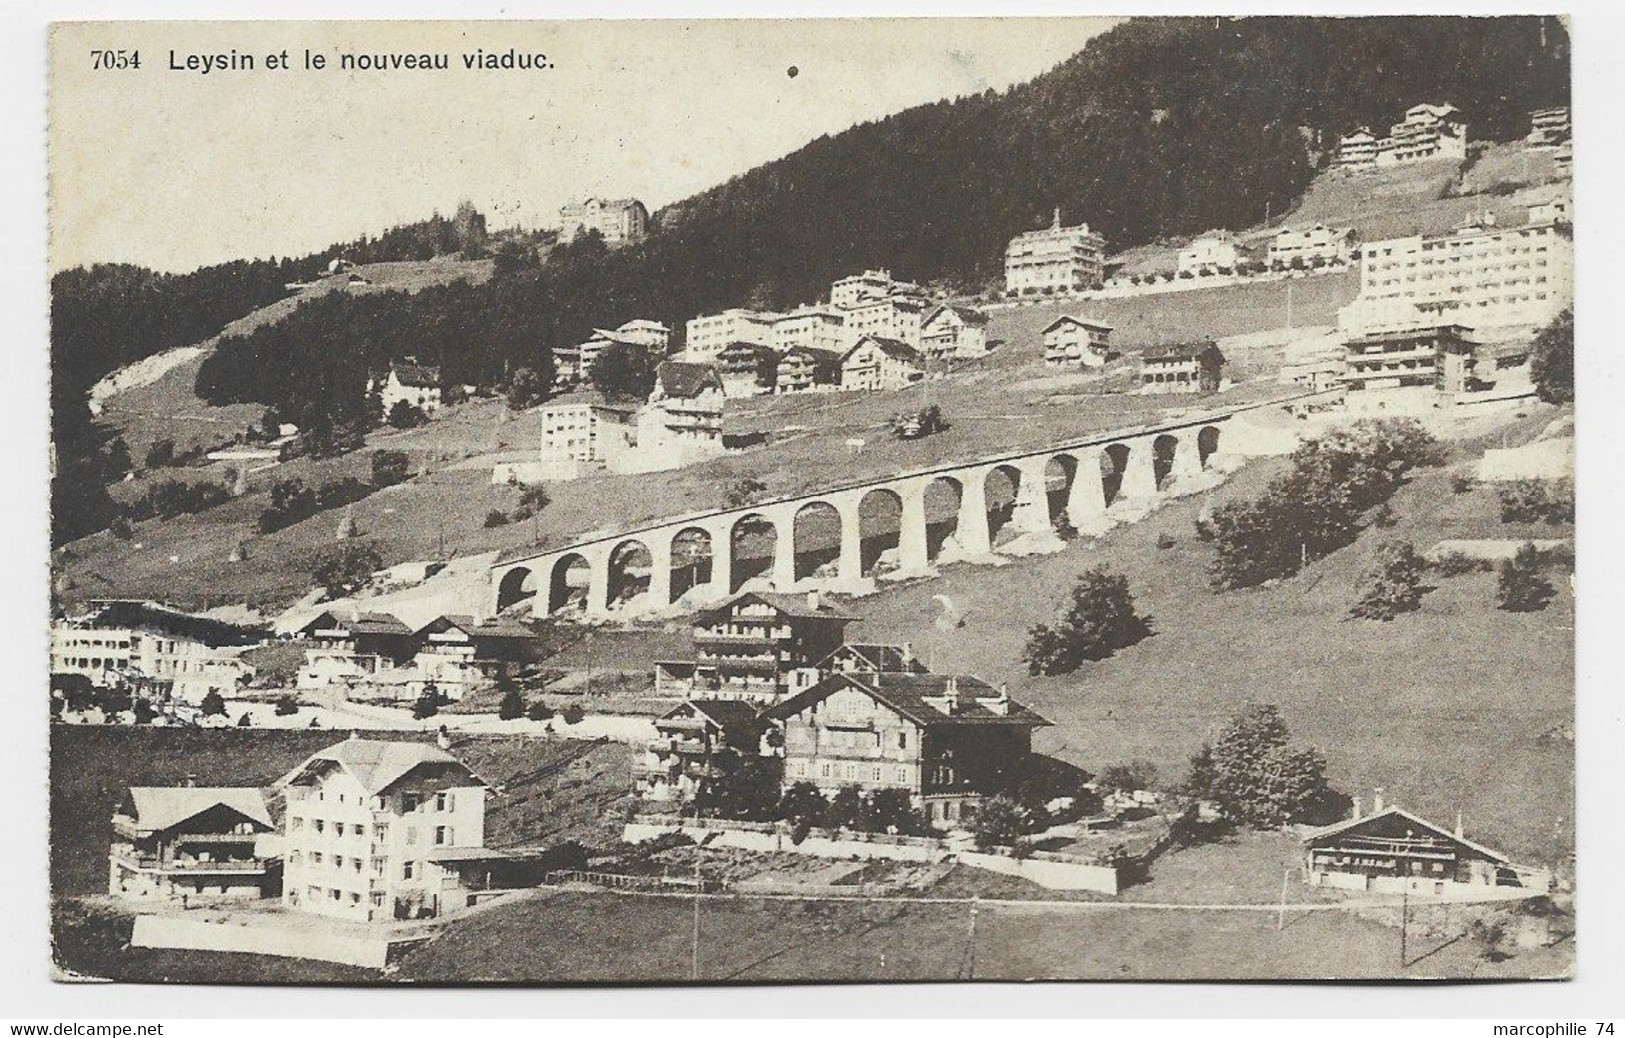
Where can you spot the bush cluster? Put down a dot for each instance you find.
(292, 501)
(1318, 506)
(1549, 501)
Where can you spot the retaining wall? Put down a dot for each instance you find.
(268, 938)
(1051, 875)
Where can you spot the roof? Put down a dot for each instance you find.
(683, 378)
(964, 313)
(374, 763)
(788, 604)
(891, 347)
(724, 712)
(164, 807)
(888, 659)
(1082, 322)
(453, 855)
(378, 623)
(909, 695)
(1396, 811)
(1182, 350)
(409, 374)
(495, 627)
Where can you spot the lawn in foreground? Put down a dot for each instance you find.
(589, 937)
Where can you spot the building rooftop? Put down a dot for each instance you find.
(686, 379)
(155, 808)
(375, 764)
(811, 606)
(929, 700)
(1182, 350)
(1082, 322)
(895, 348)
(1394, 811)
(409, 373)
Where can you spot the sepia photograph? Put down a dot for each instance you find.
(793, 501)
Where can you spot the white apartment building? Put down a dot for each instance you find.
(953, 332)
(1358, 150)
(869, 286)
(684, 415)
(588, 431)
(894, 317)
(1054, 260)
(1500, 282)
(1329, 245)
(810, 327)
(1079, 342)
(1212, 253)
(709, 334)
(619, 220)
(373, 830)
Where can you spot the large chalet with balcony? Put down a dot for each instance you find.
(192, 843)
(688, 739)
(1394, 851)
(949, 740)
(757, 645)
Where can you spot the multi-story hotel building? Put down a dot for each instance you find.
(1054, 260)
(815, 327)
(953, 332)
(1427, 132)
(375, 830)
(894, 317)
(1548, 127)
(948, 740)
(853, 291)
(619, 220)
(1186, 367)
(803, 369)
(589, 431)
(1212, 253)
(1501, 282)
(710, 334)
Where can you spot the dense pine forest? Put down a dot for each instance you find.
(1158, 128)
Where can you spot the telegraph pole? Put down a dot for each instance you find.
(694, 940)
(1280, 920)
(970, 950)
(1404, 922)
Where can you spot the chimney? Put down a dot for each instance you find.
(1376, 804)
(1057, 224)
(813, 600)
(190, 781)
(1458, 823)
(908, 653)
(1357, 812)
(950, 692)
(442, 738)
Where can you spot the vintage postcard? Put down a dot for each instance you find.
(812, 501)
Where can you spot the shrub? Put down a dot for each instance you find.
(214, 704)
(534, 498)
(801, 801)
(429, 702)
(403, 415)
(496, 517)
(389, 468)
(1099, 621)
(1537, 500)
(245, 721)
(1456, 563)
(525, 389)
(1393, 583)
(572, 714)
(121, 527)
(512, 706)
(1126, 778)
(844, 809)
(1000, 823)
(160, 455)
(1165, 541)
(169, 498)
(1522, 588)
(1462, 483)
(539, 711)
(287, 706)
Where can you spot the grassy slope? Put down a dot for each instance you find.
(1444, 708)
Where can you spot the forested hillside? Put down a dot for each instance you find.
(1160, 127)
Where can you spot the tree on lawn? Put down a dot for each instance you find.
(1100, 620)
(403, 415)
(892, 811)
(802, 805)
(1393, 583)
(214, 704)
(389, 468)
(1522, 588)
(346, 568)
(1258, 780)
(1551, 360)
(1126, 778)
(845, 808)
(623, 371)
(525, 389)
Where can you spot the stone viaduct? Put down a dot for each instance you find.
(1133, 465)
